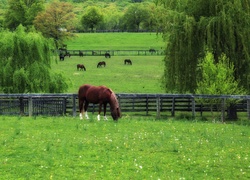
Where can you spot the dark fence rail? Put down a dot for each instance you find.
(151, 52)
(157, 104)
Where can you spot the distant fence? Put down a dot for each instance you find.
(157, 104)
(151, 52)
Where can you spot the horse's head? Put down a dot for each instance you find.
(114, 106)
(116, 113)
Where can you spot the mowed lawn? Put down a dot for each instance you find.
(144, 76)
(132, 148)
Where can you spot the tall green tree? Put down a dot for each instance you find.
(135, 16)
(92, 18)
(111, 17)
(191, 26)
(25, 60)
(56, 21)
(22, 12)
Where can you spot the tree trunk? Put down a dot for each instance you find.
(232, 112)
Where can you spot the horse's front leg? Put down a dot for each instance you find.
(80, 108)
(85, 109)
(99, 112)
(104, 110)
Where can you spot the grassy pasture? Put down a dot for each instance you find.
(142, 148)
(142, 77)
(115, 41)
(133, 148)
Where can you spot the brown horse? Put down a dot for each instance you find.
(100, 64)
(127, 61)
(98, 95)
(81, 67)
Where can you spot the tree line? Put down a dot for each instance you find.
(58, 20)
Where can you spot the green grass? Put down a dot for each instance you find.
(142, 148)
(115, 41)
(144, 76)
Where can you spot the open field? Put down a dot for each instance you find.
(115, 41)
(139, 147)
(143, 76)
(67, 148)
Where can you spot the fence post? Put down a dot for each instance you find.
(193, 108)
(158, 107)
(173, 107)
(248, 108)
(30, 102)
(21, 106)
(74, 105)
(147, 105)
(223, 109)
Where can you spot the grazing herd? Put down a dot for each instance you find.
(100, 64)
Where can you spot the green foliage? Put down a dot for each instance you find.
(193, 25)
(22, 12)
(133, 148)
(56, 21)
(217, 78)
(92, 18)
(26, 59)
(134, 16)
(56, 85)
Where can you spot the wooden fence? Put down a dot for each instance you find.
(146, 104)
(114, 52)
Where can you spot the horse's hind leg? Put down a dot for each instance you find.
(104, 110)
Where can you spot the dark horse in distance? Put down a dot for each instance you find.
(127, 61)
(81, 67)
(107, 55)
(100, 64)
(98, 95)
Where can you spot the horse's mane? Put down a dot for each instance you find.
(113, 99)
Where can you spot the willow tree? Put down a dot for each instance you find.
(25, 60)
(191, 26)
(22, 12)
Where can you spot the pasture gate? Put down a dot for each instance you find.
(145, 104)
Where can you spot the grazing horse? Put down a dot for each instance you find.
(81, 67)
(98, 95)
(152, 51)
(127, 61)
(100, 64)
(80, 53)
(61, 56)
(107, 55)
